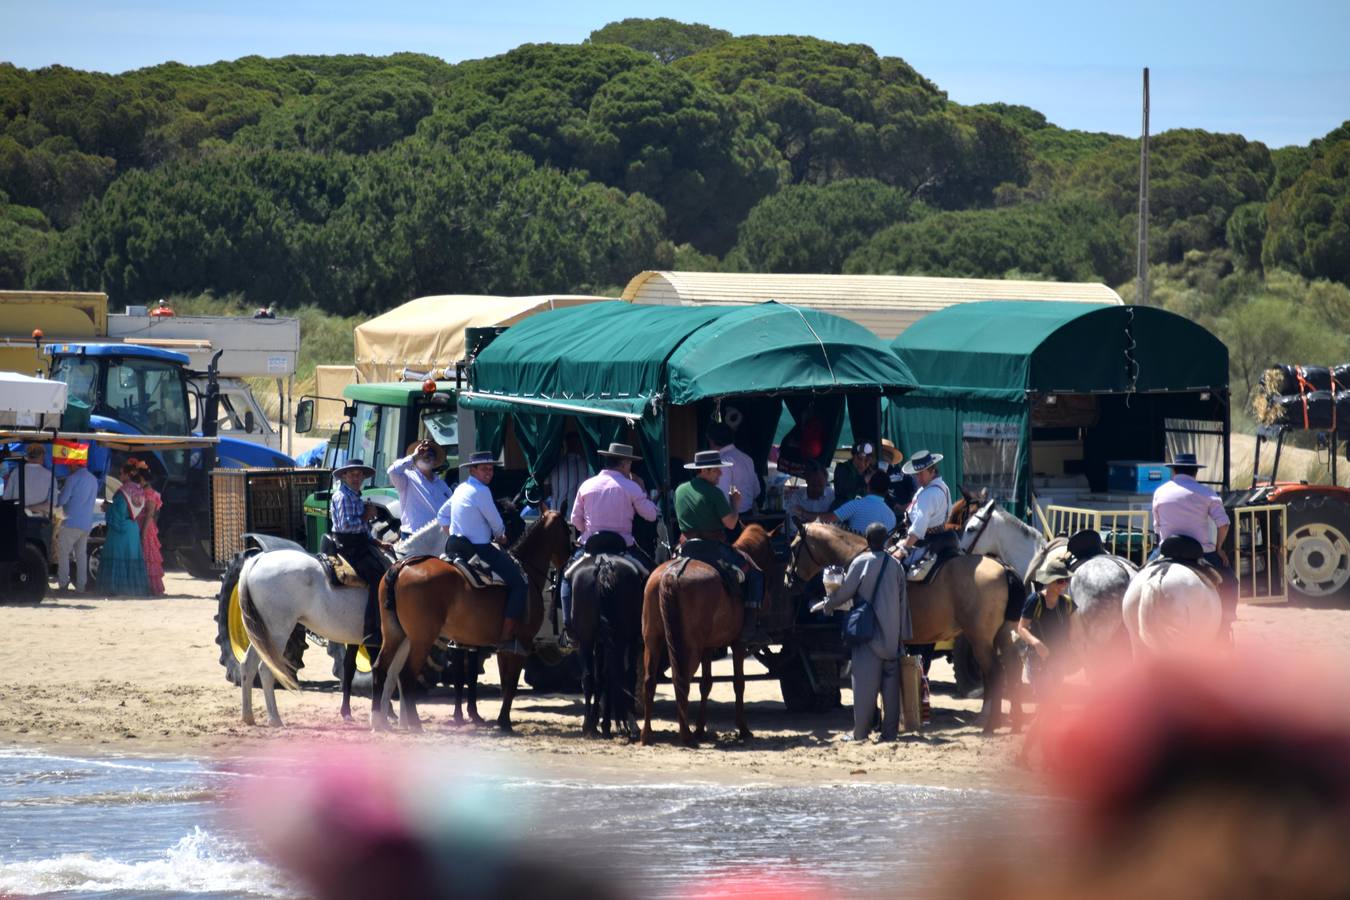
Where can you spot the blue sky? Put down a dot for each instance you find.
(1278, 73)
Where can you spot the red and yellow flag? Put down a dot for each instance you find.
(70, 453)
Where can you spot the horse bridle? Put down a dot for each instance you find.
(985, 515)
(801, 543)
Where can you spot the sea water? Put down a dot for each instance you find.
(139, 827)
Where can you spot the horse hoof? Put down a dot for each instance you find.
(273, 723)
(745, 735)
(505, 727)
(477, 719)
(248, 720)
(347, 717)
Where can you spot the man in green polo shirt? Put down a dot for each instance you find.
(704, 513)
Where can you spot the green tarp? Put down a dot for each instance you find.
(608, 357)
(980, 364)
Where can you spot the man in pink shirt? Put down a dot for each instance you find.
(1183, 506)
(603, 514)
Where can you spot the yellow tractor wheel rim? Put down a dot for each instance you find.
(235, 617)
(363, 662)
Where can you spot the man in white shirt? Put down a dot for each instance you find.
(37, 482)
(928, 511)
(808, 505)
(741, 473)
(421, 493)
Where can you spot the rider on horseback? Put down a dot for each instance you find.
(351, 517)
(602, 514)
(420, 492)
(704, 514)
(471, 520)
(1185, 507)
(932, 503)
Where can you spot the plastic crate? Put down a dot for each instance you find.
(266, 501)
(1136, 477)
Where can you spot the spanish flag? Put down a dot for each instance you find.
(70, 453)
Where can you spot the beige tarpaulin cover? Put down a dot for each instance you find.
(329, 382)
(428, 333)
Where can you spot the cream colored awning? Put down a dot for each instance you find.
(885, 304)
(427, 334)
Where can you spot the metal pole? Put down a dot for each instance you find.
(1141, 294)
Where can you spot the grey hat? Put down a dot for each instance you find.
(708, 459)
(480, 458)
(353, 465)
(620, 451)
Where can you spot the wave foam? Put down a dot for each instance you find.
(200, 862)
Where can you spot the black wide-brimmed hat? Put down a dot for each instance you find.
(620, 451)
(708, 459)
(353, 465)
(480, 458)
(922, 459)
(1185, 460)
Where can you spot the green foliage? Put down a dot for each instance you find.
(813, 228)
(1309, 223)
(665, 39)
(24, 232)
(1068, 240)
(1246, 231)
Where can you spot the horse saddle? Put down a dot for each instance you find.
(1183, 550)
(929, 555)
(716, 554)
(340, 572)
(475, 571)
(606, 543)
(1084, 545)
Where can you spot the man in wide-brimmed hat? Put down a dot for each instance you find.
(475, 528)
(927, 512)
(850, 478)
(421, 492)
(1184, 506)
(603, 513)
(351, 516)
(703, 512)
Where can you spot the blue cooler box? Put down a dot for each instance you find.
(1134, 477)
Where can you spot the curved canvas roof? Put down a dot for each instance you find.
(1001, 350)
(886, 304)
(428, 333)
(617, 357)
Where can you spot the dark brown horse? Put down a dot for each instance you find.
(687, 614)
(431, 599)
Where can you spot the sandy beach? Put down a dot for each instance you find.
(105, 675)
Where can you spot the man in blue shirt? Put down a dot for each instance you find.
(420, 492)
(475, 527)
(860, 512)
(351, 517)
(77, 498)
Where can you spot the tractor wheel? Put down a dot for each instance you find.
(561, 677)
(26, 578)
(197, 563)
(1318, 546)
(794, 683)
(230, 634)
(361, 681)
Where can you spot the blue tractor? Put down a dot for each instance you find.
(131, 389)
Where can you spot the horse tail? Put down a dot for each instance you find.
(1016, 595)
(671, 621)
(606, 574)
(388, 599)
(259, 635)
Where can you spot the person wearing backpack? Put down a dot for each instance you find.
(877, 626)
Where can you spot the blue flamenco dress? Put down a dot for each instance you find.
(121, 568)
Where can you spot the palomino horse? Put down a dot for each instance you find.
(687, 614)
(607, 619)
(1171, 609)
(1097, 586)
(431, 599)
(969, 595)
(278, 590)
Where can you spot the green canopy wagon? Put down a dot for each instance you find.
(1060, 404)
(656, 377)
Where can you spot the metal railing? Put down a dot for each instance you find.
(1257, 550)
(1125, 532)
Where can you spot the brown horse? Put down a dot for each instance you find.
(432, 599)
(687, 614)
(969, 595)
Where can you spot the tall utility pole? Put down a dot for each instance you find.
(1141, 292)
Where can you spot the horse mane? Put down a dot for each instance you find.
(537, 531)
(1006, 516)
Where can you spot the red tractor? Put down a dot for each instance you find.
(1317, 522)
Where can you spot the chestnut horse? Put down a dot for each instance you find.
(969, 595)
(687, 614)
(432, 599)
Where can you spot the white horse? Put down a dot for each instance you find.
(278, 590)
(1169, 608)
(1097, 587)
